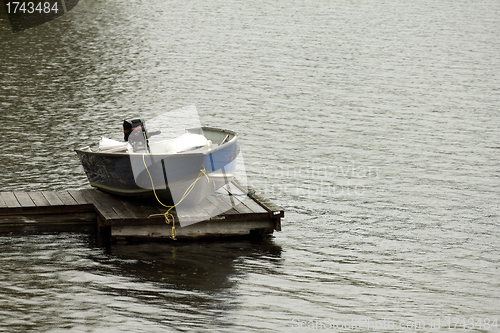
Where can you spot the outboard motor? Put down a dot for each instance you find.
(135, 133)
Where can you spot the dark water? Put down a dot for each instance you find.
(374, 124)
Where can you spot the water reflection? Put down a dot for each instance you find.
(185, 285)
(205, 266)
(66, 280)
(62, 84)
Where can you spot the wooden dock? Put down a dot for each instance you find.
(232, 211)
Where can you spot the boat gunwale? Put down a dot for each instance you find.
(88, 150)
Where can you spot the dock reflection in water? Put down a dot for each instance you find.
(203, 266)
(66, 280)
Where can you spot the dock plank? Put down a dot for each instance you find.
(78, 196)
(99, 200)
(241, 194)
(38, 199)
(137, 209)
(254, 207)
(268, 205)
(192, 214)
(143, 213)
(239, 197)
(10, 200)
(265, 203)
(2, 203)
(121, 209)
(52, 198)
(245, 211)
(227, 202)
(66, 198)
(235, 201)
(24, 199)
(221, 204)
(242, 208)
(136, 212)
(210, 208)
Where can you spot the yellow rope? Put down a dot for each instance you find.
(167, 214)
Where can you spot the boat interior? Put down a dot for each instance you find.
(193, 141)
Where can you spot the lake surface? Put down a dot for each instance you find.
(375, 124)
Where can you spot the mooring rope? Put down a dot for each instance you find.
(167, 214)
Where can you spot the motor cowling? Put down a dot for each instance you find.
(134, 131)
